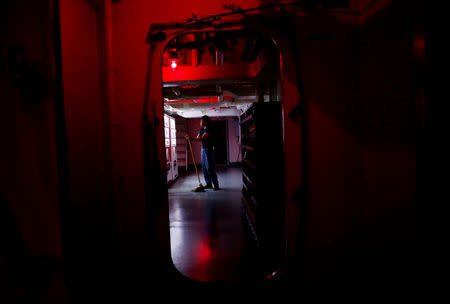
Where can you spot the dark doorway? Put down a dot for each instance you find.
(221, 151)
(224, 235)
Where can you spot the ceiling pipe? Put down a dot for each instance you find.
(212, 20)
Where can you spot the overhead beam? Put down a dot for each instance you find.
(227, 71)
(169, 84)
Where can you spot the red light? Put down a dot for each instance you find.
(190, 86)
(173, 65)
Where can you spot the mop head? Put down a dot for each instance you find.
(200, 188)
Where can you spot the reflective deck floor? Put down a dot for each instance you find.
(207, 236)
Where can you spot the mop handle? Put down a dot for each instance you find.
(193, 160)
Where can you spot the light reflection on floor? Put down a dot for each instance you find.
(206, 230)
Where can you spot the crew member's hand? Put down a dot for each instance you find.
(187, 137)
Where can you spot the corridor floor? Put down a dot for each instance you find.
(207, 236)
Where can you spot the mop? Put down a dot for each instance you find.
(200, 187)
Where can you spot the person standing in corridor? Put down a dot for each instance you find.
(206, 136)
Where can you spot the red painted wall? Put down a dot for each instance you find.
(92, 233)
(358, 144)
(361, 149)
(227, 71)
(81, 99)
(389, 152)
(341, 149)
(31, 253)
(29, 174)
(330, 75)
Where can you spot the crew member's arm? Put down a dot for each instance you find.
(198, 138)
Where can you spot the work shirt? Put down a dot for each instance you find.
(207, 142)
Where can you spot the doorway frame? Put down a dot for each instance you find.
(153, 132)
(227, 153)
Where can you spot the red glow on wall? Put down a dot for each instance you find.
(200, 100)
(227, 71)
(178, 101)
(227, 97)
(207, 99)
(190, 86)
(204, 252)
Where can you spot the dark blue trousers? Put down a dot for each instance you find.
(208, 166)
